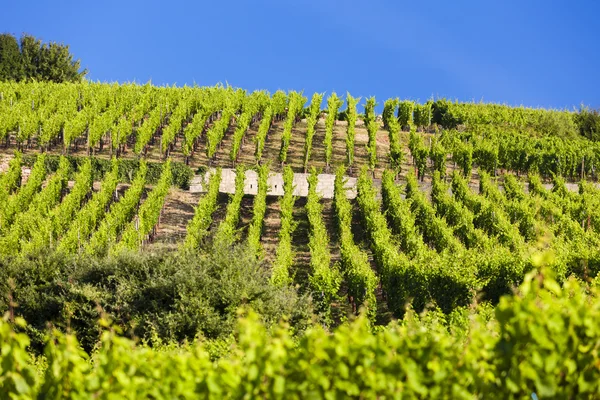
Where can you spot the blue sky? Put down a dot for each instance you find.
(535, 53)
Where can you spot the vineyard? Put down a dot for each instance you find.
(471, 231)
(449, 204)
(223, 126)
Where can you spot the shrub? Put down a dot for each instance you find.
(172, 297)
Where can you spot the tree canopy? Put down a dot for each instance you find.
(29, 58)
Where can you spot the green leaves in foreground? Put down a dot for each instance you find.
(543, 340)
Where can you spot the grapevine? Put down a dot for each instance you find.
(197, 228)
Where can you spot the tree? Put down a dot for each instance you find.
(588, 122)
(31, 59)
(57, 64)
(10, 58)
(30, 56)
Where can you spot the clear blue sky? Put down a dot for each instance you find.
(535, 53)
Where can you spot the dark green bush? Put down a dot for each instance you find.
(442, 115)
(172, 297)
(588, 122)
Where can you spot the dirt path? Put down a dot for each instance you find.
(272, 224)
(178, 211)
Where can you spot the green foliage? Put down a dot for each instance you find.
(389, 111)
(553, 355)
(540, 341)
(295, 107)
(127, 168)
(253, 104)
(462, 155)
(351, 129)
(437, 154)
(17, 376)
(263, 130)
(325, 279)
(279, 102)
(588, 122)
(393, 127)
(441, 114)
(233, 101)
(392, 266)
(30, 59)
(284, 257)
(589, 205)
(400, 217)
(499, 147)
(369, 111)
(546, 122)
(311, 124)
(422, 115)
(488, 216)
(197, 228)
(227, 232)
(11, 68)
(434, 230)
(148, 214)
(518, 211)
(156, 297)
(209, 102)
(489, 188)
(419, 152)
(47, 231)
(405, 112)
(361, 279)
(121, 212)
(333, 105)
(513, 189)
(486, 156)
(181, 113)
(136, 118)
(10, 181)
(26, 223)
(372, 129)
(19, 202)
(456, 215)
(259, 209)
(89, 216)
(430, 254)
(446, 279)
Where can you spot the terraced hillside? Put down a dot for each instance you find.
(451, 198)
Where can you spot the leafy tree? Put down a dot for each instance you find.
(10, 58)
(588, 122)
(31, 59)
(30, 56)
(57, 64)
